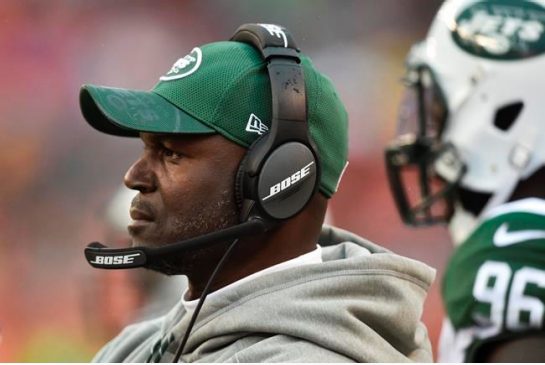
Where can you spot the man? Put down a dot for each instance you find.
(279, 296)
(472, 131)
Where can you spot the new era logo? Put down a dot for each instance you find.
(255, 125)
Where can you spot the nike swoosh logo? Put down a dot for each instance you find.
(503, 237)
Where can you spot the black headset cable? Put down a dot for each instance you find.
(202, 299)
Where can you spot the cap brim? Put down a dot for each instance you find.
(123, 112)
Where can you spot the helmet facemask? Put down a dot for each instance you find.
(422, 196)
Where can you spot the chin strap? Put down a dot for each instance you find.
(462, 223)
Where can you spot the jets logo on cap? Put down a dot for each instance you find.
(185, 66)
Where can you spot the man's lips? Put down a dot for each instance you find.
(140, 215)
(140, 220)
(140, 210)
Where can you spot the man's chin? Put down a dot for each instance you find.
(141, 234)
(143, 242)
(146, 239)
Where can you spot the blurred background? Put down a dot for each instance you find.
(60, 178)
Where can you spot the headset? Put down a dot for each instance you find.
(279, 173)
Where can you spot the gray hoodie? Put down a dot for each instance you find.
(361, 304)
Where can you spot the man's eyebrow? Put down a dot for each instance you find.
(170, 139)
(157, 139)
(181, 140)
(149, 138)
(178, 140)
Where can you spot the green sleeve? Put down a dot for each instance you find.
(494, 283)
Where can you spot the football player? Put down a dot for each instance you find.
(471, 135)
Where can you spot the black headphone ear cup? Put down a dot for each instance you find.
(242, 169)
(287, 180)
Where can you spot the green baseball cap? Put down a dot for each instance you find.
(223, 88)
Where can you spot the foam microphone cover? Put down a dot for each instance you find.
(96, 245)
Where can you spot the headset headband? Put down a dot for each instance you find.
(289, 111)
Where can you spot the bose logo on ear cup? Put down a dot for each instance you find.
(289, 181)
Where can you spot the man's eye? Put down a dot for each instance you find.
(171, 154)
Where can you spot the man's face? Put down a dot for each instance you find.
(186, 187)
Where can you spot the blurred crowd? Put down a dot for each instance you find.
(60, 177)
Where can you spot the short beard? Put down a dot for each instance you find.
(213, 218)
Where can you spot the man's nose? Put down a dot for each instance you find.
(140, 177)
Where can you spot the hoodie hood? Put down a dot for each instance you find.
(363, 304)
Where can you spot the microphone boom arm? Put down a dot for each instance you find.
(102, 257)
